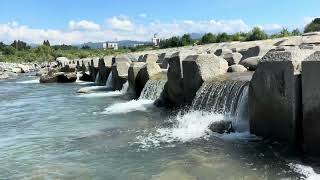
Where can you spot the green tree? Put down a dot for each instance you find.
(256, 34)
(296, 32)
(313, 26)
(186, 40)
(20, 45)
(46, 43)
(208, 38)
(284, 33)
(223, 37)
(85, 47)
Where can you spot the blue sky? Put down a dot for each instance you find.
(76, 21)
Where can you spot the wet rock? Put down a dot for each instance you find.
(120, 74)
(237, 68)
(274, 97)
(173, 94)
(133, 71)
(232, 58)
(200, 68)
(4, 75)
(221, 127)
(311, 101)
(148, 71)
(66, 77)
(103, 72)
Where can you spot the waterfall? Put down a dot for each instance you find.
(152, 89)
(109, 80)
(97, 80)
(149, 94)
(229, 98)
(215, 101)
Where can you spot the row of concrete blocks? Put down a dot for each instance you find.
(284, 99)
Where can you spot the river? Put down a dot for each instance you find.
(48, 131)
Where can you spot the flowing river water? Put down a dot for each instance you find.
(48, 131)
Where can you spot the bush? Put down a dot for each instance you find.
(256, 34)
(208, 38)
(313, 26)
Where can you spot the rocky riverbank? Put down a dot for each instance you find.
(11, 70)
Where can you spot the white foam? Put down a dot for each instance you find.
(187, 127)
(101, 94)
(33, 81)
(306, 171)
(131, 106)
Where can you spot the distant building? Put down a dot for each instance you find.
(110, 45)
(156, 40)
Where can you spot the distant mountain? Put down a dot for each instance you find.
(196, 35)
(99, 45)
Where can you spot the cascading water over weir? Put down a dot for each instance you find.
(229, 98)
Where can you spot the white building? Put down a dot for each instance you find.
(155, 40)
(110, 45)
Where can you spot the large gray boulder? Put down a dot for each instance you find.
(56, 76)
(150, 58)
(274, 97)
(103, 72)
(251, 63)
(254, 51)
(237, 68)
(148, 71)
(200, 68)
(173, 94)
(120, 74)
(133, 71)
(232, 58)
(311, 104)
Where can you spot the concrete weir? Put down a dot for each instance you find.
(275, 98)
(311, 104)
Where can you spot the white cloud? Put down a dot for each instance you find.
(84, 25)
(271, 27)
(121, 23)
(143, 15)
(122, 28)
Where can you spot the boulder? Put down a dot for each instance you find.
(24, 68)
(120, 74)
(121, 58)
(66, 77)
(200, 68)
(311, 104)
(68, 69)
(62, 60)
(3, 75)
(150, 58)
(251, 63)
(148, 71)
(46, 78)
(232, 58)
(221, 127)
(108, 61)
(275, 97)
(133, 71)
(254, 51)
(16, 70)
(222, 52)
(173, 89)
(237, 68)
(103, 72)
